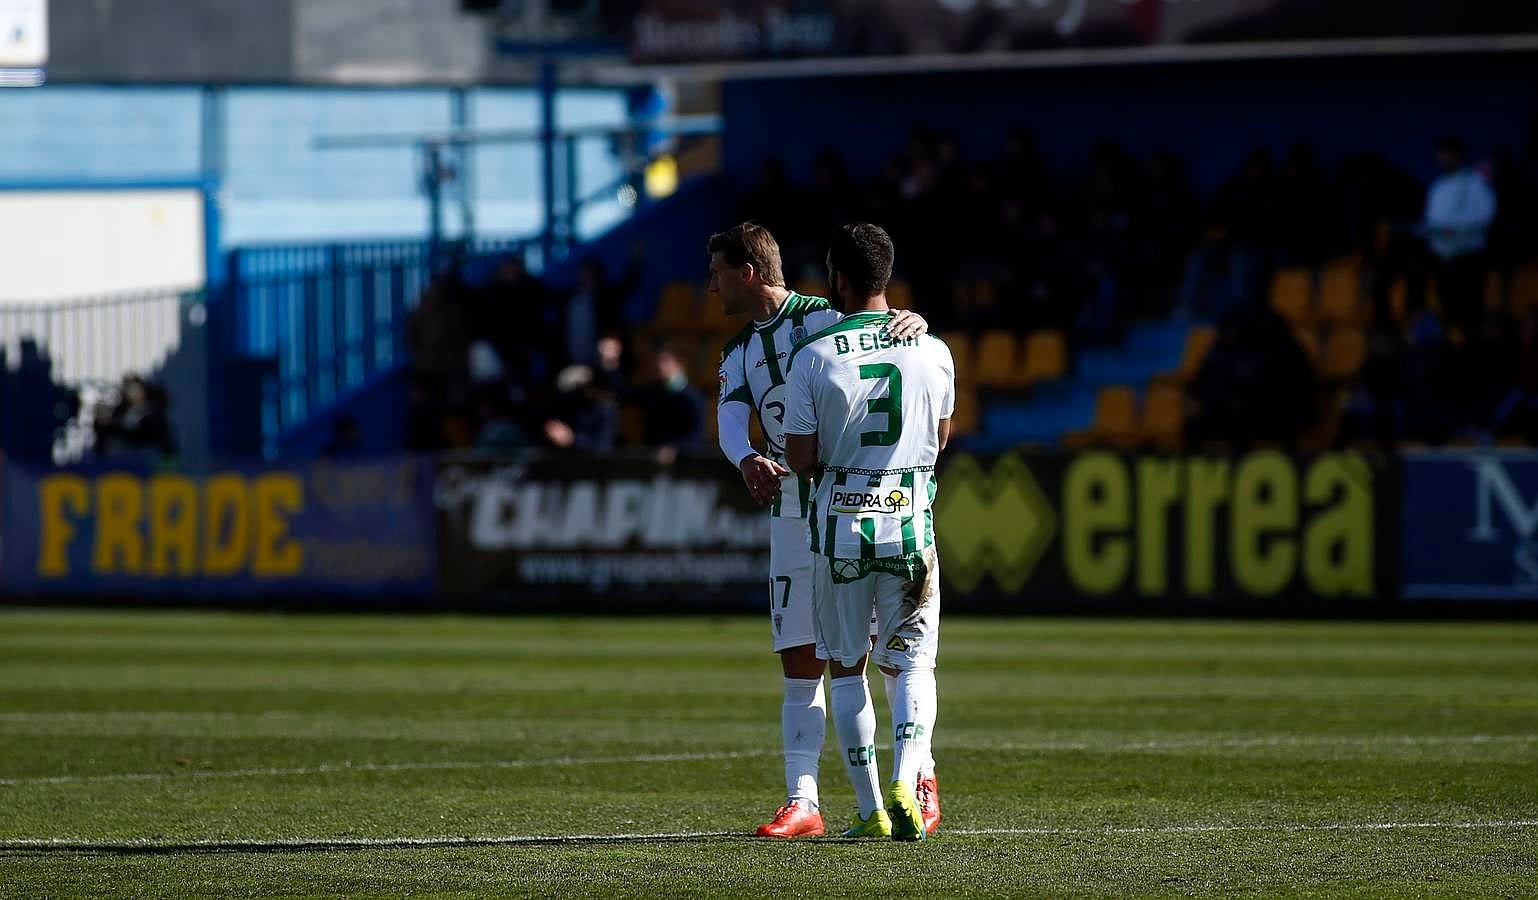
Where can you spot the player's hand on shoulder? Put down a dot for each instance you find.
(762, 476)
(905, 323)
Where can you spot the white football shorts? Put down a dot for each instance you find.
(790, 584)
(907, 616)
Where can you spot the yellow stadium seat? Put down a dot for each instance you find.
(811, 287)
(702, 358)
(1199, 342)
(1308, 339)
(1046, 356)
(1524, 289)
(1164, 417)
(1344, 352)
(1115, 422)
(632, 427)
(899, 295)
(996, 363)
(960, 344)
(1292, 295)
(1399, 300)
(678, 308)
(711, 318)
(1340, 296)
(964, 419)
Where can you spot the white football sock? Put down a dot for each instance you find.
(927, 767)
(913, 722)
(855, 718)
(803, 722)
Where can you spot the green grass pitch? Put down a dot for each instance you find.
(177, 754)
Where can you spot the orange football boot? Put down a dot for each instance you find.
(929, 802)
(792, 821)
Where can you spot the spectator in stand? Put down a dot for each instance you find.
(1256, 386)
(34, 409)
(138, 425)
(1460, 206)
(346, 440)
(438, 333)
(672, 413)
(596, 308)
(835, 202)
(583, 416)
(1430, 383)
(1517, 415)
(1308, 219)
(1162, 233)
(523, 321)
(773, 201)
(1373, 407)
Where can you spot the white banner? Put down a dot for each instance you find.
(23, 34)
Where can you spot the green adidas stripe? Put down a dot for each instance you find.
(910, 543)
(771, 357)
(929, 516)
(833, 520)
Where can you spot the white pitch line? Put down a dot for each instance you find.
(328, 768)
(1206, 829)
(236, 845)
(1037, 746)
(1289, 741)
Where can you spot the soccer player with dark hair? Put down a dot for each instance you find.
(869, 412)
(745, 272)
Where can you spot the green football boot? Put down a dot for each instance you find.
(907, 820)
(877, 826)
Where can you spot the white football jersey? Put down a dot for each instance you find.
(875, 404)
(753, 367)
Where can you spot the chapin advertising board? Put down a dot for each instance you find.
(626, 531)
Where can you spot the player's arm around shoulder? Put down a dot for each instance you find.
(801, 409)
(946, 363)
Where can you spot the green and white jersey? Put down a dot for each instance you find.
(875, 404)
(753, 367)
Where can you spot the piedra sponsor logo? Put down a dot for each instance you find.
(884, 501)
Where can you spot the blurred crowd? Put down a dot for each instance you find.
(34, 408)
(517, 364)
(1009, 243)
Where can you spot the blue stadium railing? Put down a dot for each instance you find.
(330, 318)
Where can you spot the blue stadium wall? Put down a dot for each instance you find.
(1211, 114)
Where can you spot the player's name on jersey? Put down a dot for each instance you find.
(866, 341)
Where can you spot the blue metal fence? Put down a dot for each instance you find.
(330, 317)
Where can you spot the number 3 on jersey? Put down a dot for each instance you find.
(891, 405)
